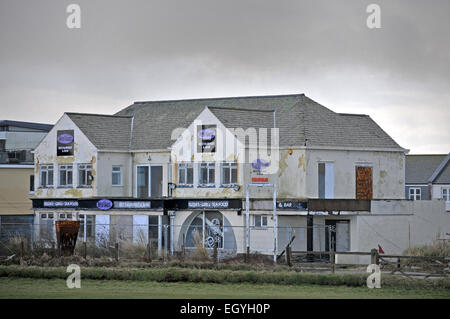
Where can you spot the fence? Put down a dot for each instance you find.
(143, 241)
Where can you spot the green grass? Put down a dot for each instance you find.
(175, 274)
(12, 287)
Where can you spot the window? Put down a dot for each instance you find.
(116, 176)
(65, 175)
(446, 194)
(64, 216)
(414, 193)
(260, 221)
(229, 173)
(85, 175)
(207, 174)
(46, 173)
(31, 183)
(326, 180)
(185, 174)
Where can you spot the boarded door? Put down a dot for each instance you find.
(342, 236)
(363, 182)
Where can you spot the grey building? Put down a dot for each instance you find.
(427, 177)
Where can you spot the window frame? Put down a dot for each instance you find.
(45, 168)
(415, 193)
(261, 218)
(210, 166)
(116, 173)
(447, 190)
(66, 168)
(87, 183)
(230, 166)
(182, 169)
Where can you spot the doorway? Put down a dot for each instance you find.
(337, 235)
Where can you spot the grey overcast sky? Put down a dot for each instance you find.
(132, 50)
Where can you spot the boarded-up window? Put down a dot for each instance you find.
(364, 182)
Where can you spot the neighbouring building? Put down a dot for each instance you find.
(242, 172)
(428, 177)
(17, 140)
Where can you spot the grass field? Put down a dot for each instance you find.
(56, 288)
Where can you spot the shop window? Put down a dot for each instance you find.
(206, 229)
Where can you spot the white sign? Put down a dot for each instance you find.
(132, 205)
(69, 203)
(208, 204)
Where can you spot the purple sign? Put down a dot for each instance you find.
(207, 134)
(206, 138)
(260, 164)
(104, 204)
(65, 138)
(64, 143)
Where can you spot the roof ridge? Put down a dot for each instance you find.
(353, 114)
(238, 109)
(97, 114)
(220, 98)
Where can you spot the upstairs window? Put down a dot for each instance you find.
(207, 174)
(46, 176)
(65, 175)
(229, 173)
(85, 175)
(446, 194)
(116, 176)
(185, 174)
(414, 193)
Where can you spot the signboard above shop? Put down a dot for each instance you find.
(99, 204)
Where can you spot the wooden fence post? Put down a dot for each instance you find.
(182, 250)
(288, 255)
(215, 253)
(84, 250)
(117, 251)
(333, 260)
(22, 252)
(149, 252)
(374, 257)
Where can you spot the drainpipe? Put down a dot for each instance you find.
(172, 217)
(132, 175)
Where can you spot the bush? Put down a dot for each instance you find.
(439, 248)
(175, 274)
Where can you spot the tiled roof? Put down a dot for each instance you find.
(419, 168)
(298, 118)
(106, 132)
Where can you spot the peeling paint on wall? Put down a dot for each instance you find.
(283, 164)
(302, 162)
